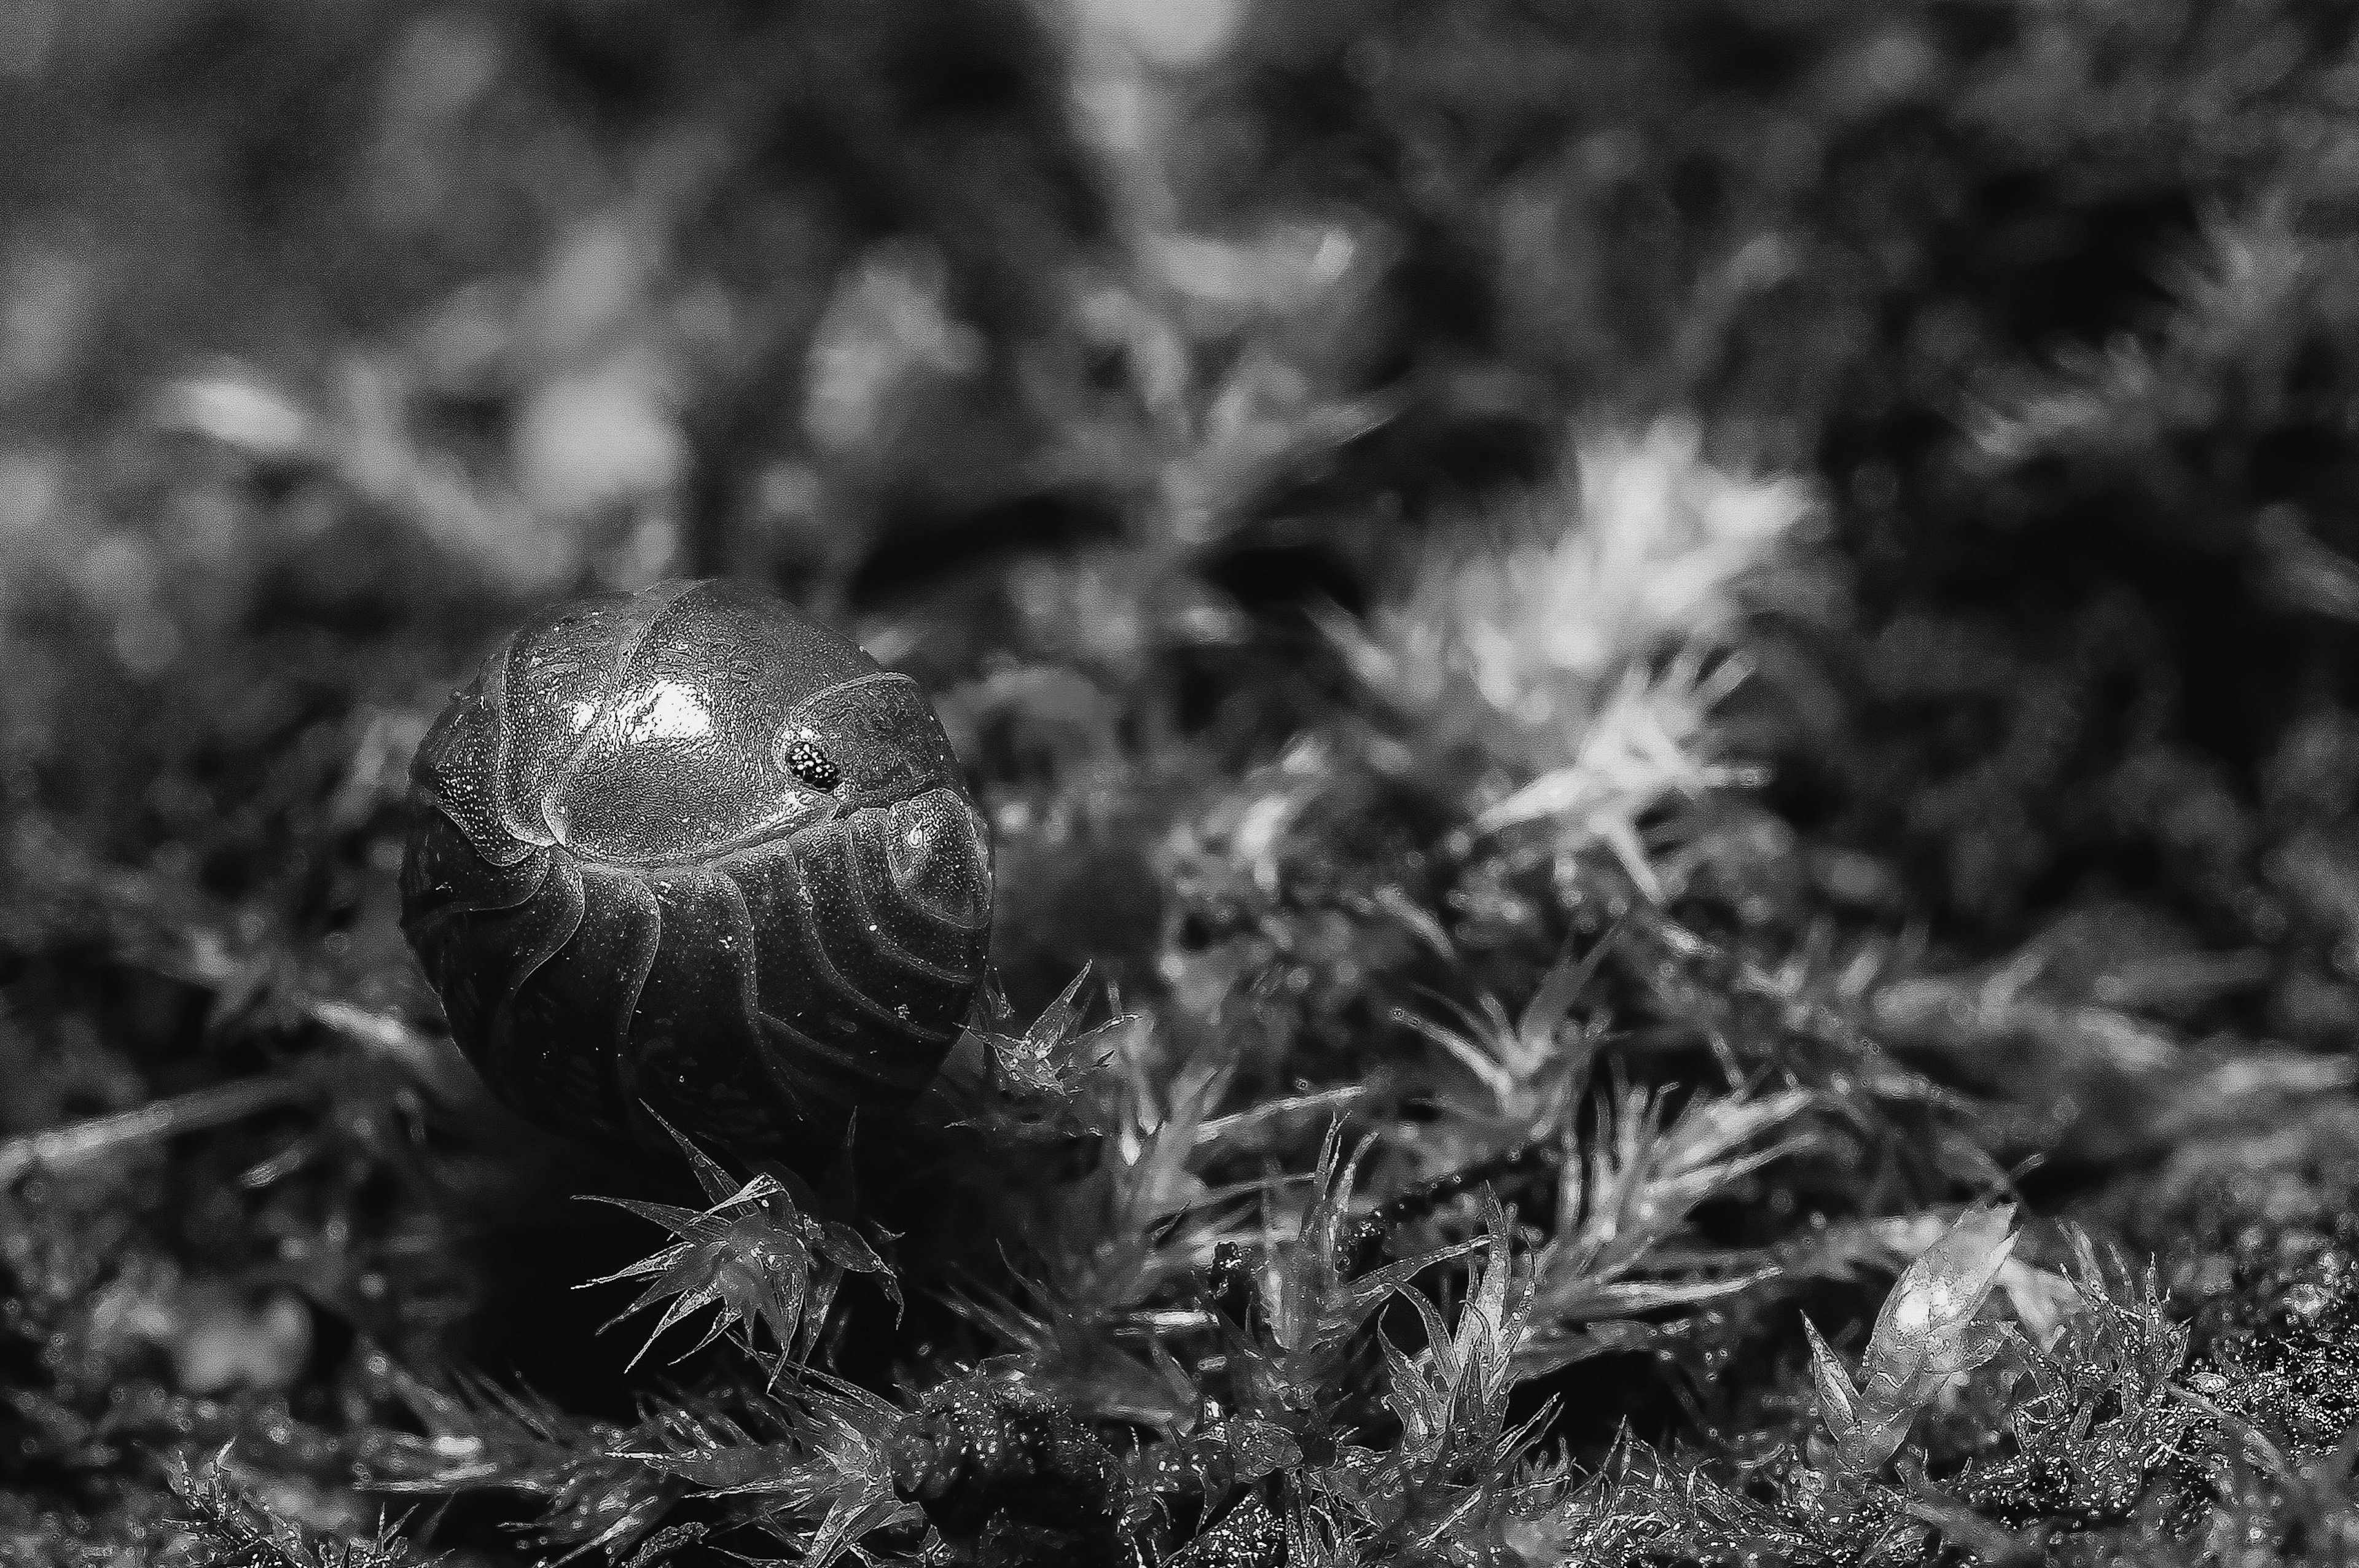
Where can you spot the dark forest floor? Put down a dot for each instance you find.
(1736, 616)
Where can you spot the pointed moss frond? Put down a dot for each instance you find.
(1642, 554)
(1648, 745)
(1109, 1247)
(754, 1256)
(478, 1435)
(1546, 656)
(1112, 1367)
(1450, 1478)
(1042, 1075)
(1641, 1505)
(1533, 1066)
(235, 1530)
(1306, 1306)
(2098, 1403)
(1925, 1337)
(818, 1473)
(1630, 1193)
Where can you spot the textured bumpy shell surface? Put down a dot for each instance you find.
(630, 892)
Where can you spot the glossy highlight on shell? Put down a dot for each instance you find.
(689, 850)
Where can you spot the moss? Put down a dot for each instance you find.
(1665, 692)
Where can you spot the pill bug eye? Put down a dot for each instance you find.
(809, 764)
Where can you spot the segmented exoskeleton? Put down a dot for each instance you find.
(687, 849)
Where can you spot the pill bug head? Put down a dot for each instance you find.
(689, 850)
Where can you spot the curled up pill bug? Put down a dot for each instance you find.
(690, 850)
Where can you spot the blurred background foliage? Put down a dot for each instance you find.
(1836, 515)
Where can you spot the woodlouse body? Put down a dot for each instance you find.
(689, 850)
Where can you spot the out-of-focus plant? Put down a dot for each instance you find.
(1539, 656)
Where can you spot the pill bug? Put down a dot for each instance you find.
(689, 850)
